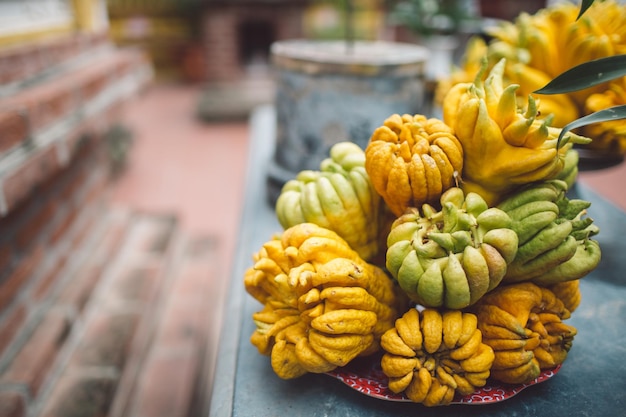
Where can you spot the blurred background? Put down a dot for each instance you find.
(225, 45)
(124, 140)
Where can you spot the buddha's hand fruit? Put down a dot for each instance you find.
(568, 292)
(339, 197)
(554, 234)
(411, 160)
(322, 304)
(569, 173)
(608, 135)
(451, 258)
(430, 356)
(523, 325)
(503, 146)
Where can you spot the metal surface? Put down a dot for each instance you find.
(592, 381)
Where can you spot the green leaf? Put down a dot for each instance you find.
(612, 113)
(586, 75)
(583, 7)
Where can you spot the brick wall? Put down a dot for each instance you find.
(221, 36)
(58, 100)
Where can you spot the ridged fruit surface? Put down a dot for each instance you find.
(523, 324)
(452, 257)
(504, 146)
(339, 197)
(538, 47)
(431, 355)
(412, 160)
(554, 235)
(322, 304)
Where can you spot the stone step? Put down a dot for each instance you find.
(124, 327)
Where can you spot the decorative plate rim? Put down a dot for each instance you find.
(367, 377)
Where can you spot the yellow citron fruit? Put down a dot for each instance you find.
(339, 196)
(504, 146)
(538, 47)
(323, 305)
(569, 293)
(412, 160)
(523, 324)
(432, 355)
(611, 134)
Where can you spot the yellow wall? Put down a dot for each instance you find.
(28, 20)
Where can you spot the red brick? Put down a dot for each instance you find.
(33, 361)
(50, 53)
(58, 51)
(21, 61)
(32, 227)
(106, 341)
(13, 128)
(135, 282)
(167, 383)
(98, 127)
(74, 181)
(74, 139)
(95, 83)
(60, 229)
(46, 102)
(86, 142)
(10, 326)
(51, 185)
(63, 187)
(54, 100)
(12, 404)
(19, 184)
(94, 189)
(13, 66)
(22, 273)
(88, 220)
(79, 290)
(6, 255)
(50, 277)
(9, 222)
(50, 101)
(94, 79)
(81, 395)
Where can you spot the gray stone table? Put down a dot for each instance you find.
(592, 382)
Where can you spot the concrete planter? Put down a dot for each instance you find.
(327, 92)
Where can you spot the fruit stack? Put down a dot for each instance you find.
(447, 250)
(539, 47)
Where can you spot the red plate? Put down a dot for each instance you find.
(367, 377)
